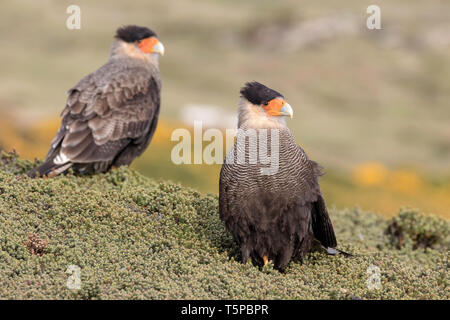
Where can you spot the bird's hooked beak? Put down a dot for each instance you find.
(159, 48)
(151, 45)
(286, 110)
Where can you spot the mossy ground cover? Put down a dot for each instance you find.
(136, 238)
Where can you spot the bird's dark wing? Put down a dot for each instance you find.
(321, 224)
(102, 118)
(307, 189)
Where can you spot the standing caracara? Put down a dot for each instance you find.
(272, 215)
(112, 113)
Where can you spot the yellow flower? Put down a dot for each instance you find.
(370, 174)
(404, 181)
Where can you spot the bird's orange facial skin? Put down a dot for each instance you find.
(273, 107)
(146, 45)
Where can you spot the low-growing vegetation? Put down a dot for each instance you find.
(136, 238)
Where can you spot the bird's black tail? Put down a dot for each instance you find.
(335, 251)
(48, 168)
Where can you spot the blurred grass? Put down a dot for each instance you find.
(360, 97)
(135, 238)
(370, 186)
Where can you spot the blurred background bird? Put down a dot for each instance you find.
(371, 105)
(111, 114)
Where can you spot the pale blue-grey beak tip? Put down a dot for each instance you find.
(159, 48)
(286, 110)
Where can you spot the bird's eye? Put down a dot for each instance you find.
(139, 41)
(266, 103)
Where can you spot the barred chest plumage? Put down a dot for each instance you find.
(268, 159)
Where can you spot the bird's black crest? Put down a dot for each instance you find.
(134, 33)
(258, 93)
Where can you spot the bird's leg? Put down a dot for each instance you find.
(266, 260)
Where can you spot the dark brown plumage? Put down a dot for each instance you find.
(112, 113)
(273, 216)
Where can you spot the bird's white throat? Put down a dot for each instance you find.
(254, 116)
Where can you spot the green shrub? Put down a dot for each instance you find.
(410, 228)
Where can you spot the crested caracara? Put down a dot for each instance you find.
(272, 216)
(112, 113)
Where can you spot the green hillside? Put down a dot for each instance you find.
(136, 238)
